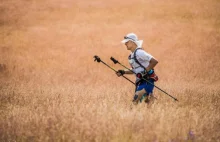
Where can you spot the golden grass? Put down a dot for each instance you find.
(52, 90)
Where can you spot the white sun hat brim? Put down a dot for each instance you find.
(126, 40)
(138, 43)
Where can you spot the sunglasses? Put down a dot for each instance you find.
(126, 37)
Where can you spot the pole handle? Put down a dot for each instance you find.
(97, 59)
(114, 60)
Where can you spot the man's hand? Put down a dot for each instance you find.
(120, 72)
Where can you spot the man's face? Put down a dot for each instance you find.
(129, 45)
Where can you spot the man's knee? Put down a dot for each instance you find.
(141, 92)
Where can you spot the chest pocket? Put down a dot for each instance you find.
(130, 60)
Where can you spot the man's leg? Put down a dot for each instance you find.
(149, 88)
(138, 95)
(150, 99)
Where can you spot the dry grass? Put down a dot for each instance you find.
(51, 90)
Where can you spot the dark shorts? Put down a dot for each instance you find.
(145, 85)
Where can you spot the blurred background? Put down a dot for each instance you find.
(52, 90)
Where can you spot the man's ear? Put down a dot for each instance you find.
(134, 44)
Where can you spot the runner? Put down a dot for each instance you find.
(142, 64)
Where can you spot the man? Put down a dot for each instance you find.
(142, 64)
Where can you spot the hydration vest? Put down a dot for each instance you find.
(150, 74)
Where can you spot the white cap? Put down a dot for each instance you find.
(132, 37)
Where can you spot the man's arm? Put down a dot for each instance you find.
(122, 72)
(153, 63)
(128, 71)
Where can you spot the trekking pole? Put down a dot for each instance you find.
(116, 61)
(99, 60)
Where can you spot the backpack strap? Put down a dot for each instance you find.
(136, 60)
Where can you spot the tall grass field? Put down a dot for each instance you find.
(51, 90)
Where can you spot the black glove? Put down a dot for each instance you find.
(122, 72)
